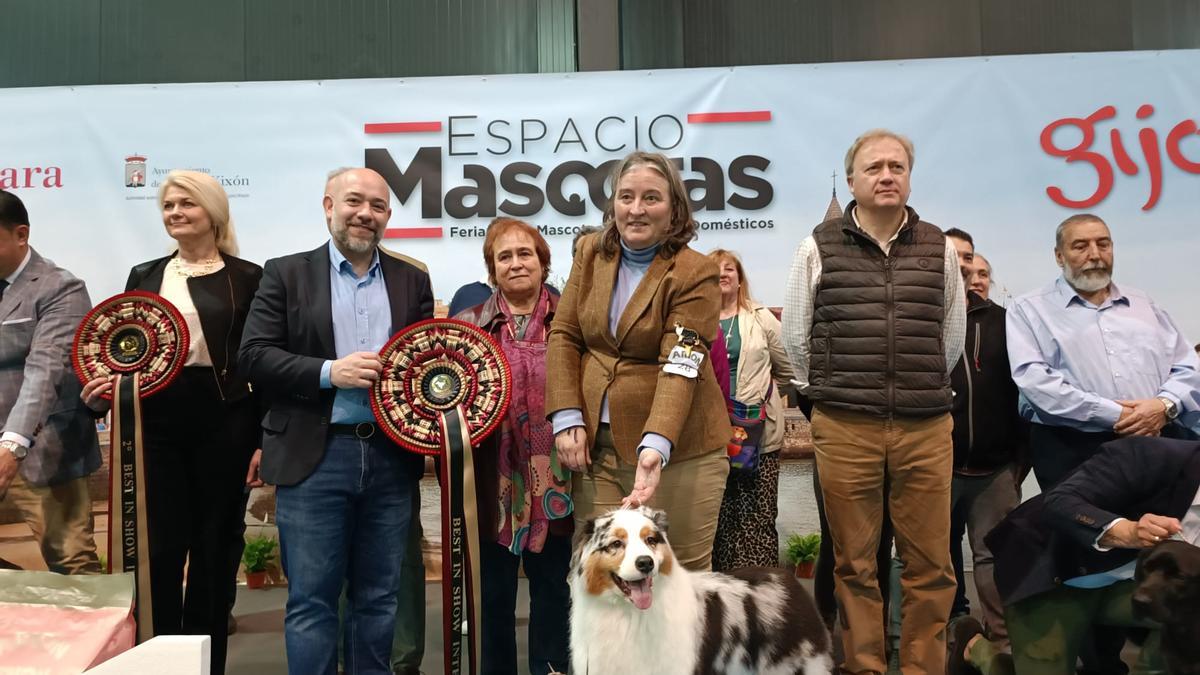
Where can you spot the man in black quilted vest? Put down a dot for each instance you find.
(873, 321)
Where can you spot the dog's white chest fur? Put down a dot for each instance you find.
(609, 635)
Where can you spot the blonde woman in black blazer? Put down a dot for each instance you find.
(201, 431)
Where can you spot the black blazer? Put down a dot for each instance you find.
(1049, 538)
(222, 301)
(289, 336)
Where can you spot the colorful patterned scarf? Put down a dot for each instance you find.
(534, 488)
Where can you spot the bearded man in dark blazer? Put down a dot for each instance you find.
(344, 490)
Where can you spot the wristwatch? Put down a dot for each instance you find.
(18, 451)
(1171, 410)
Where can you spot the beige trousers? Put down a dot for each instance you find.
(856, 453)
(61, 519)
(690, 491)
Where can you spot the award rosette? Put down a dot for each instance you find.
(143, 340)
(445, 387)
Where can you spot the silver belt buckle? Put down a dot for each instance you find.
(364, 430)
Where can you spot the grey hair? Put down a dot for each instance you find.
(1074, 220)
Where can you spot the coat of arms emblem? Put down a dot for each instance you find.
(135, 171)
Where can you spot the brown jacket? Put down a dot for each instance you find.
(585, 359)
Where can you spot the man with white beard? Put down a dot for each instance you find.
(1093, 361)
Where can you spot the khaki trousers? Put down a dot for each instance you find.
(856, 453)
(690, 491)
(61, 519)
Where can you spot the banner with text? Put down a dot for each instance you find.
(1005, 148)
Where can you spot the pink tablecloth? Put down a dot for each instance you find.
(51, 624)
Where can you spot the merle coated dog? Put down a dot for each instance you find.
(635, 609)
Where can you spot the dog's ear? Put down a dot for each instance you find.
(582, 535)
(1139, 570)
(659, 518)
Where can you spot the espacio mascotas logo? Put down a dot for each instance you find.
(437, 167)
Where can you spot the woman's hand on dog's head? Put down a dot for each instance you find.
(645, 481)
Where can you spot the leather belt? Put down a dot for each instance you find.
(362, 430)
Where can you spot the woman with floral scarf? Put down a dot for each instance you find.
(524, 493)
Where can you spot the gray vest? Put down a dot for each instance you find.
(876, 343)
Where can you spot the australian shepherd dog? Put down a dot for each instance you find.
(635, 609)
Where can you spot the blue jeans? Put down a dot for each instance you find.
(348, 521)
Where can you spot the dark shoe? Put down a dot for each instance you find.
(958, 634)
(231, 626)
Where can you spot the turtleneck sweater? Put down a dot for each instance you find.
(632, 270)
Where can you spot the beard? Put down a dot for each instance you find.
(341, 236)
(1088, 279)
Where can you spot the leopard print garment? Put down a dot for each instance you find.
(746, 535)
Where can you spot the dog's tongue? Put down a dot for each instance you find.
(639, 593)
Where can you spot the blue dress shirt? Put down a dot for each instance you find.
(362, 322)
(1072, 360)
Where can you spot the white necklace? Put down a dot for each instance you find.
(194, 269)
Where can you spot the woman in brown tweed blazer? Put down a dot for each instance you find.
(635, 416)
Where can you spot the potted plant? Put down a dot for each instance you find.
(256, 557)
(801, 550)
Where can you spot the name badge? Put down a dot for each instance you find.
(683, 361)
